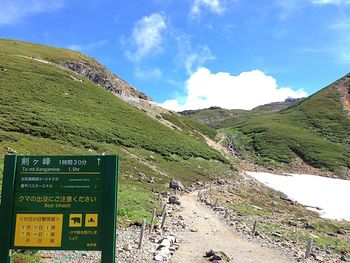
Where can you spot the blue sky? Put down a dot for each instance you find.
(188, 54)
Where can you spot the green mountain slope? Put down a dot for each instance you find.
(217, 117)
(45, 109)
(317, 130)
(71, 61)
(214, 116)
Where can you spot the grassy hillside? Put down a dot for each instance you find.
(317, 130)
(47, 110)
(20, 48)
(44, 101)
(189, 126)
(214, 116)
(75, 61)
(217, 117)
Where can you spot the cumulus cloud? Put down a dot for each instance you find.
(12, 11)
(147, 36)
(214, 6)
(88, 46)
(245, 91)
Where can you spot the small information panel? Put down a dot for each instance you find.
(38, 230)
(60, 202)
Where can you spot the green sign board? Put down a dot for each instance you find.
(59, 202)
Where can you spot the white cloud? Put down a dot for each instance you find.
(340, 44)
(288, 8)
(197, 59)
(147, 36)
(215, 6)
(342, 50)
(345, 56)
(152, 35)
(150, 73)
(327, 2)
(12, 11)
(191, 58)
(88, 46)
(245, 91)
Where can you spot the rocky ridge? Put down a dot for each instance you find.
(101, 76)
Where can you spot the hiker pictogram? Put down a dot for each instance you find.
(91, 220)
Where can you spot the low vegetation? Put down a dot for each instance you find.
(26, 257)
(189, 126)
(50, 111)
(251, 201)
(53, 105)
(317, 131)
(45, 110)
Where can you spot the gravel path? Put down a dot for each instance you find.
(206, 231)
(126, 250)
(197, 229)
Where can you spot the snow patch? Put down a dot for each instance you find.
(329, 194)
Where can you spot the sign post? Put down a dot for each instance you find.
(59, 202)
(6, 207)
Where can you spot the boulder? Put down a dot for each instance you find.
(165, 243)
(171, 238)
(177, 185)
(209, 253)
(292, 223)
(151, 180)
(10, 150)
(344, 258)
(199, 183)
(341, 232)
(215, 256)
(220, 209)
(220, 181)
(127, 247)
(309, 226)
(174, 200)
(162, 255)
(276, 234)
(317, 257)
(163, 252)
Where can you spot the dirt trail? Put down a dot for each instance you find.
(217, 145)
(214, 234)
